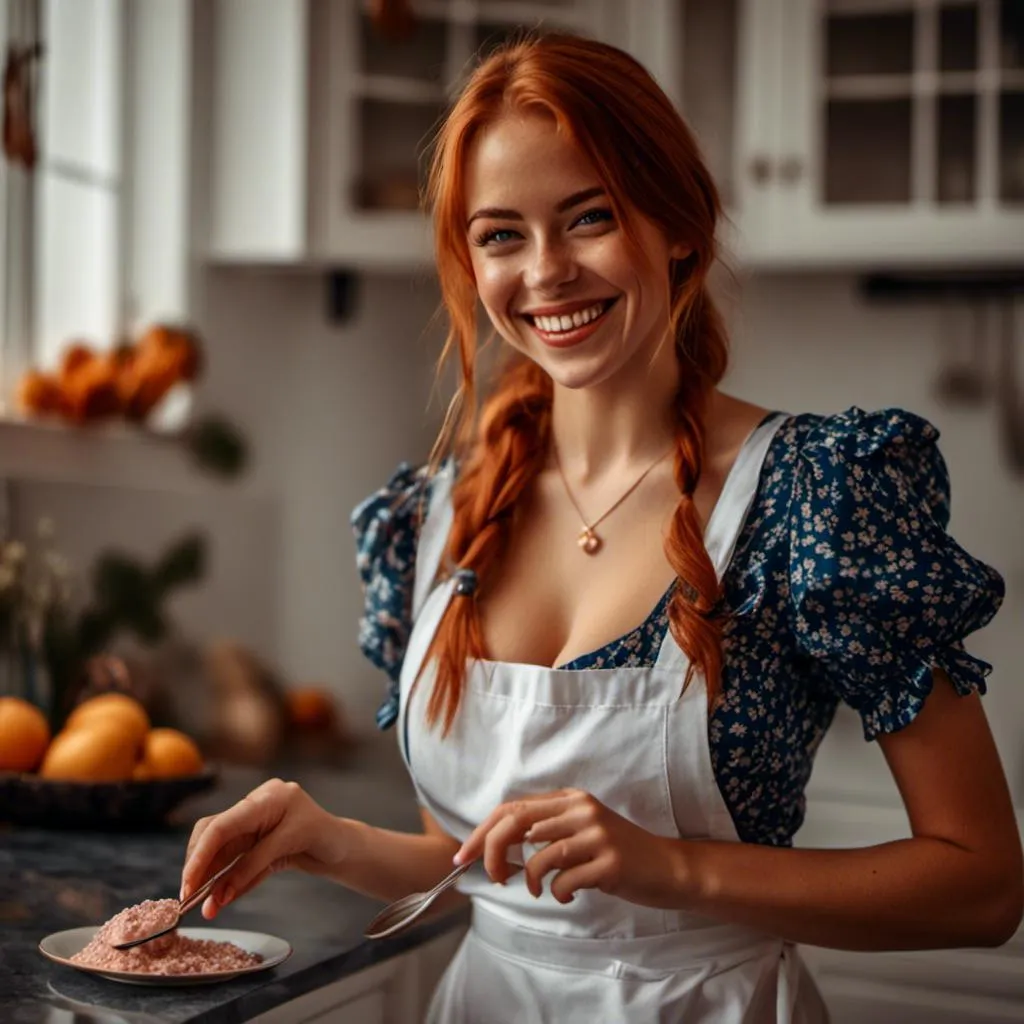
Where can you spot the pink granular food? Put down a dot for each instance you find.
(170, 954)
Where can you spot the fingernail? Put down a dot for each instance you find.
(457, 859)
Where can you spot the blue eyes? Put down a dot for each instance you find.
(500, 236)
(597, 214)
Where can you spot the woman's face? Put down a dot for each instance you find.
(552, 265)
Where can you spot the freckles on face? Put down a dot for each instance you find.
(553, 268)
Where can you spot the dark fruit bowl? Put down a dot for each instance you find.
(27, 799)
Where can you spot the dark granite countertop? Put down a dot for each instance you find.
(52, 880)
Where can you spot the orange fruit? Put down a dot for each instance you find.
(115, 709)
(309, 707)
(24, 735)
(91, 753)
(168, 754)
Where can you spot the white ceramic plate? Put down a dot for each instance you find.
(61, 946)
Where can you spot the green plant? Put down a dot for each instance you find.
(126, 597)
(35, 587)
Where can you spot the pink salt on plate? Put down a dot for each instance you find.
(170, 954)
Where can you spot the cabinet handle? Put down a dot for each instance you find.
(791, 170)
(760, 170)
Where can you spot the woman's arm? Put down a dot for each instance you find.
(389, 865)
(957, 882)
(278, 826)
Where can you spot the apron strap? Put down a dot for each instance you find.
(728, 517)
(430, 549)
(433, 536)
(730, 512)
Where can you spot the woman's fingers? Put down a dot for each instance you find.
(216, 840)
(234, 886)
(507, 832)
(562, 847)
(585, 875)
(270, 855)
(514, 819)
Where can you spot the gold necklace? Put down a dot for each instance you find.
(588, 540)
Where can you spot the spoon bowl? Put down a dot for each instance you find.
(184, 906)
(398, 916)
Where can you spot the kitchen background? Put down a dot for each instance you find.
(246, 167)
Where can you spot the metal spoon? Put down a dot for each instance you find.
(184, 906)
(397, 916)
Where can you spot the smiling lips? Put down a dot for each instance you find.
(560, 330)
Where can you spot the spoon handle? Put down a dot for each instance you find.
(449, 881)
(206, 888)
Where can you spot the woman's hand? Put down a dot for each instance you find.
(588, 847)
(277, 826)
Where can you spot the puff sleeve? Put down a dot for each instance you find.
(386, 527)
(881, 593)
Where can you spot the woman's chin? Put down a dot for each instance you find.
(579, 378)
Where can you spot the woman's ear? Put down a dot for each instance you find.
(679, 251)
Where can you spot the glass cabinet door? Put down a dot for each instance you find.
(903, 129)
(384, 100)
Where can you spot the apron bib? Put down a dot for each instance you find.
(637, 742)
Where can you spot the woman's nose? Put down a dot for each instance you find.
(551, 264)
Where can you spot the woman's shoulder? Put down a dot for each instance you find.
(387, 527)
(839, 451)
(857, 433)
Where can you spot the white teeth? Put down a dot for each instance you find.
(558, 324)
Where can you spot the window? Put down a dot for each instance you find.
(63, 222)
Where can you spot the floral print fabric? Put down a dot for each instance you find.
(844, 586)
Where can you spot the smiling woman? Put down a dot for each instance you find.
(644, 716)
(561, 237)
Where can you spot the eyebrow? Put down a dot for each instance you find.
(498, 213)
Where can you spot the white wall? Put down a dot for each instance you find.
(332, 408)
(341, 406)
(812, 343)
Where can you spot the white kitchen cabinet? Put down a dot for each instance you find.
(843, 133)
(854, 133)
(900, 138)
(396, 991)
(320, 128)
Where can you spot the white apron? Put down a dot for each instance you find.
(628, 737)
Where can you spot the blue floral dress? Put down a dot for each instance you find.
(844, 586)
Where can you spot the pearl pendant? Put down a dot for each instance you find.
(589, 541)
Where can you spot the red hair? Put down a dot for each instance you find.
(647, 160)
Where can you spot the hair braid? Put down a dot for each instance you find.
(693, 609)
(610, 107)
(511, 449)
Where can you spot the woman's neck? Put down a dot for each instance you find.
(617, 425)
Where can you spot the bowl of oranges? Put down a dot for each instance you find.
(107, 767)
